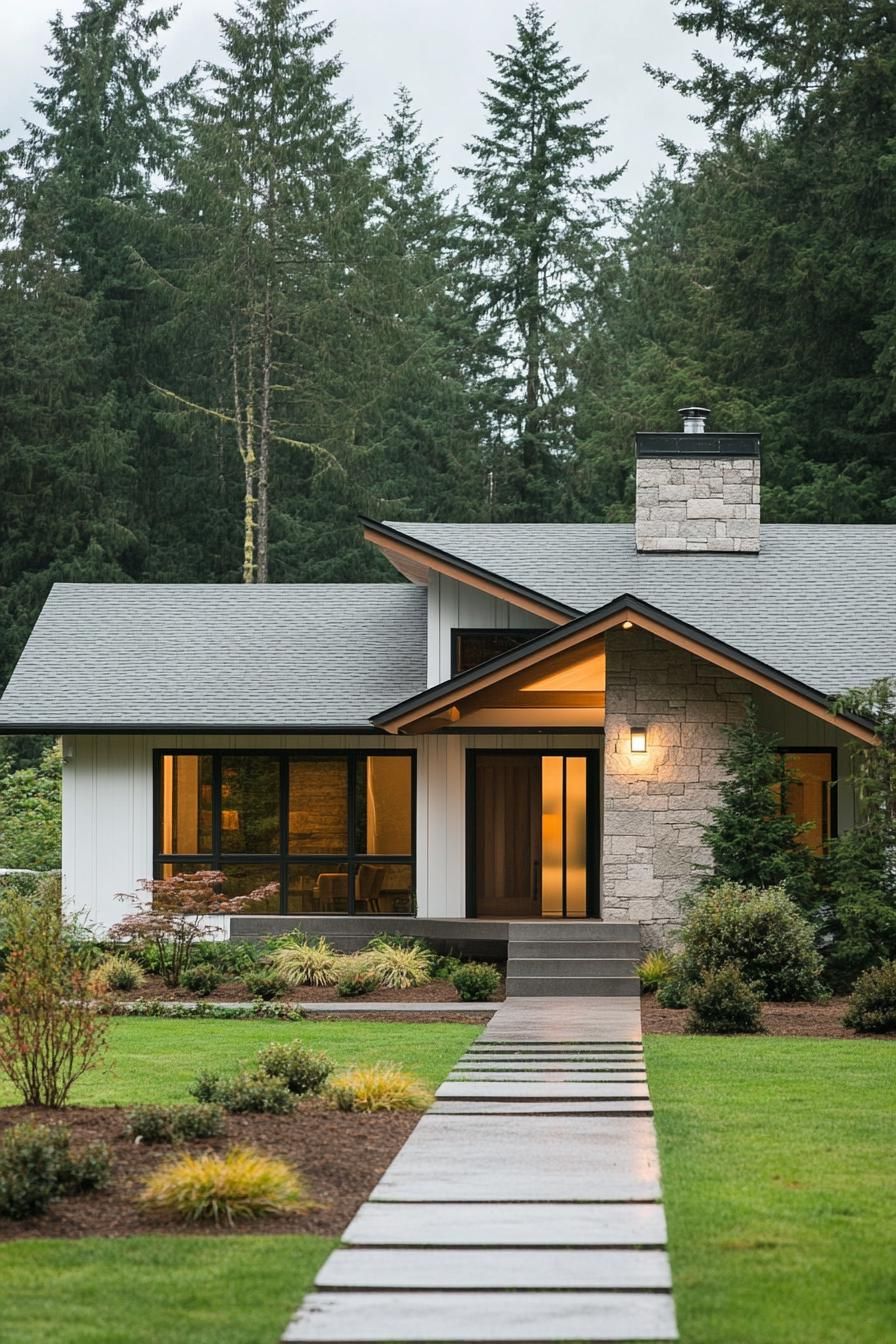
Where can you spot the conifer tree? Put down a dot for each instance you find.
(753, 839)
(533, 241)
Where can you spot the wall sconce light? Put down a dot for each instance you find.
(639, 739)
(626, 625)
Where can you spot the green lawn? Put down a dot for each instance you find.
(780, 1186)
(154, 1060)
(146, 1290)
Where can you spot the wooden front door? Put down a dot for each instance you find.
(507, 839)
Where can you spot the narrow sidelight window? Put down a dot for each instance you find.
(186, 804)
(810, 796)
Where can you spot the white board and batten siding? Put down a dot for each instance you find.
(452, 606)
(107, 806)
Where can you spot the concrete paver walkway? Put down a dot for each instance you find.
(526, 1204)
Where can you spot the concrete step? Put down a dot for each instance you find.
(585, 947)
(564, 968)
(569, 930)
(542, 986)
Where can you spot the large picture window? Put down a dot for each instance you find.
(335, 830)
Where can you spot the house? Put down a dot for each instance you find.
(527, 727)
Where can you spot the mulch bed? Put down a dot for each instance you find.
(341, 1156)
(234, 991)
(779, 1019)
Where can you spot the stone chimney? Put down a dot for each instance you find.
(696, 491)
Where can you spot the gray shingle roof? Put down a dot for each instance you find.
(818, 602)
(218, 655)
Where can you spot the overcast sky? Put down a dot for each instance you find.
(440, 49)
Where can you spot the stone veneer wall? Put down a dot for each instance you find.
(697, 504)
(655, 804)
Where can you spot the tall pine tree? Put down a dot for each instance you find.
(533, 229)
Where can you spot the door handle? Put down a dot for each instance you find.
(536, 879)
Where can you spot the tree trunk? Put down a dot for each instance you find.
(245, 442)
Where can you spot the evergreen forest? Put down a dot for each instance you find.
(233, 318)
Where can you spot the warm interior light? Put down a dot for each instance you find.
(626, 625)
(639, 739)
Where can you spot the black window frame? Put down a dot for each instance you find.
(524, 633)
(352, 858)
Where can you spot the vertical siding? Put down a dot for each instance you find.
(451, 605)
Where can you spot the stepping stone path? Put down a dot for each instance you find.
(526, 1204)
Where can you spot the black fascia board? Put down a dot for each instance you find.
(625, 602)
(475, 571)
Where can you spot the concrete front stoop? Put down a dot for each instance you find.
(572, 958)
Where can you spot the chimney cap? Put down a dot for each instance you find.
(694, 410)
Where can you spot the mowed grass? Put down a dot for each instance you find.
(780, 1186)
(146, 1290)
(153, 1060)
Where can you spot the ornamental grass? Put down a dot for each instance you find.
(307, 964)
(237, 1185)
(397, 967)
(378, 1087)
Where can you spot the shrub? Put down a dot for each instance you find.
(302, 1070)
(443, 968)
(673, 991)
(175, 1124)
(37, 1166)
(353, 983)
(172, 916)
(306, 964)
(245, 1092)
(654, 970)
(379, 1087)
(49, 1034)
(262, 984)
(116, 972)
(398, 967)
(228, 958)
(241, 1183)
(202, 979)
(872, 1005)
(476, 981)
(760, 932)
(722, 1003)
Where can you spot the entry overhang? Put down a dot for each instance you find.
(422, 712)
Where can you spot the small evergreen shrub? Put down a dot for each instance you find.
(116, 972)
(722, 1003)
(872, 1005)
(353, 983)
(673, 991)
(37, 1166)
(444, 968)
(476, 981)
(397, 967)
(220, 1012)
(378, 1087)
(762, 933)
(262, 984)
(175, 1124)
(303, 1071)
(238, 1184)
(654, 970)
(201, 979)
(306, 964)
(245, 1093)
(228, 958)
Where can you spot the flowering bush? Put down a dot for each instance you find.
(49, 1032)
(172, 913)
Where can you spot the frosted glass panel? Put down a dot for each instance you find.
(564, 837)
(552, 836)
